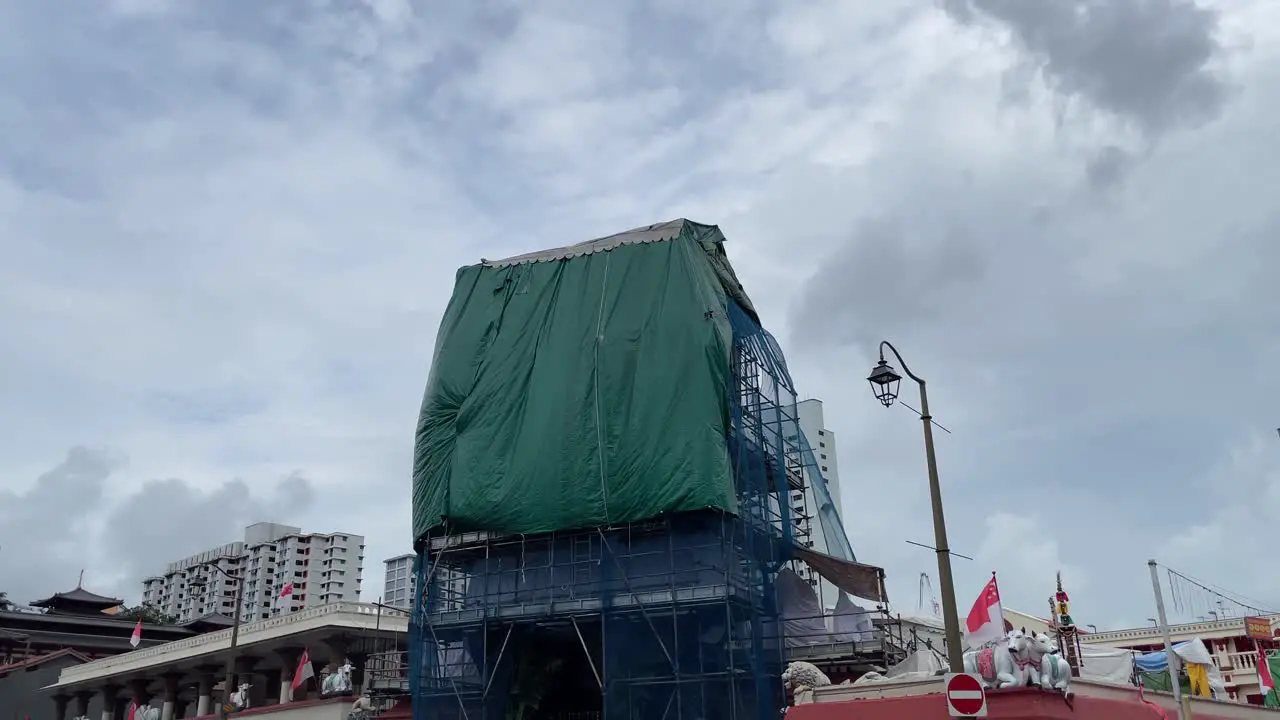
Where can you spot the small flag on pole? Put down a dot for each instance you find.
(136, 637)
(986, 620)
(304, 671)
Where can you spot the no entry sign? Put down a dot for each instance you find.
(965, 695)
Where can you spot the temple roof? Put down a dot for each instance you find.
(78, 600)
(206, 623)
(31, 662)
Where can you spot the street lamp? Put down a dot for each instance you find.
(884, 384)
(230, 680)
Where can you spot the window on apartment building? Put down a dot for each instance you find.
(824, 456)
(822, 433)
(824, 468)
(822, 444)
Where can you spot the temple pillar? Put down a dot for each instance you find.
(60, 703)
(357, 660)
(204, 693)
(170, 696)
(138, 692)
(244, 669)
(288, 658)
(82, 702)
(110, 694)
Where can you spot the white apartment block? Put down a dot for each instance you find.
(400, 582)
(323, 567)
(805, 504)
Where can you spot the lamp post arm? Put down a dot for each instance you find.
(225, 573)
(886, 344)
(950, 614)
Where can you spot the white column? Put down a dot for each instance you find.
(204, 698)
(170, 697)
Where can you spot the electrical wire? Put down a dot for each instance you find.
(1192, 596)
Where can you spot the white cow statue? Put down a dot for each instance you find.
(240, 698)
(339, 681)
(1055, 671)
(1026, 663)
(995, 663)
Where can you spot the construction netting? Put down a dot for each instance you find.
(581, 386)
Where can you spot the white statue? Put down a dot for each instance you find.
(146, 713)
(240, 698)
(338, 681)
(800, 676)
(361, 709)
(995, 664)
(1055, 671)
(1026, 661)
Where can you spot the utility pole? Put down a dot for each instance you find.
(1175, 663)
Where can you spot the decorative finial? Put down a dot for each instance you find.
(80, 582)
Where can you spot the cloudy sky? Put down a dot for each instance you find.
(228, 232)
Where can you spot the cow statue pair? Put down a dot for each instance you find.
(338, 682)
(1020, 660)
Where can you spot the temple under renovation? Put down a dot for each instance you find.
(605, 469)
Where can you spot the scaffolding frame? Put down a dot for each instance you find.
(675, 617)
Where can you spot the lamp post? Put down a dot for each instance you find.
(884, 384)
(235, 635)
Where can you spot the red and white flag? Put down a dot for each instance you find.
(986, 620)
(304, 671)
(133, 711)
(286, 594)
(1264, 673)
(136, 637)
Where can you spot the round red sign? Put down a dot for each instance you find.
(965, 695)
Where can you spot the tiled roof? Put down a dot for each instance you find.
(79, 595)
(41, 659)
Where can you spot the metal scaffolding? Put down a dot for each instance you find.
(676, 617)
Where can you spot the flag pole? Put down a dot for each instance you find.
(999, 600)
(1184, 713)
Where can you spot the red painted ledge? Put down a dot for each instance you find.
(294, 705)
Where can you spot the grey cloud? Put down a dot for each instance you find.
(45, 531)
(884, 278)
(1149, 62)
(1106, 168)
(169, 519)
(51, 532)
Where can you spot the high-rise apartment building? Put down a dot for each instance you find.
(322, 568)
(399, 583)
(805, 505)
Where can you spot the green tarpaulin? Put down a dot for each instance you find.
(581, 386)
